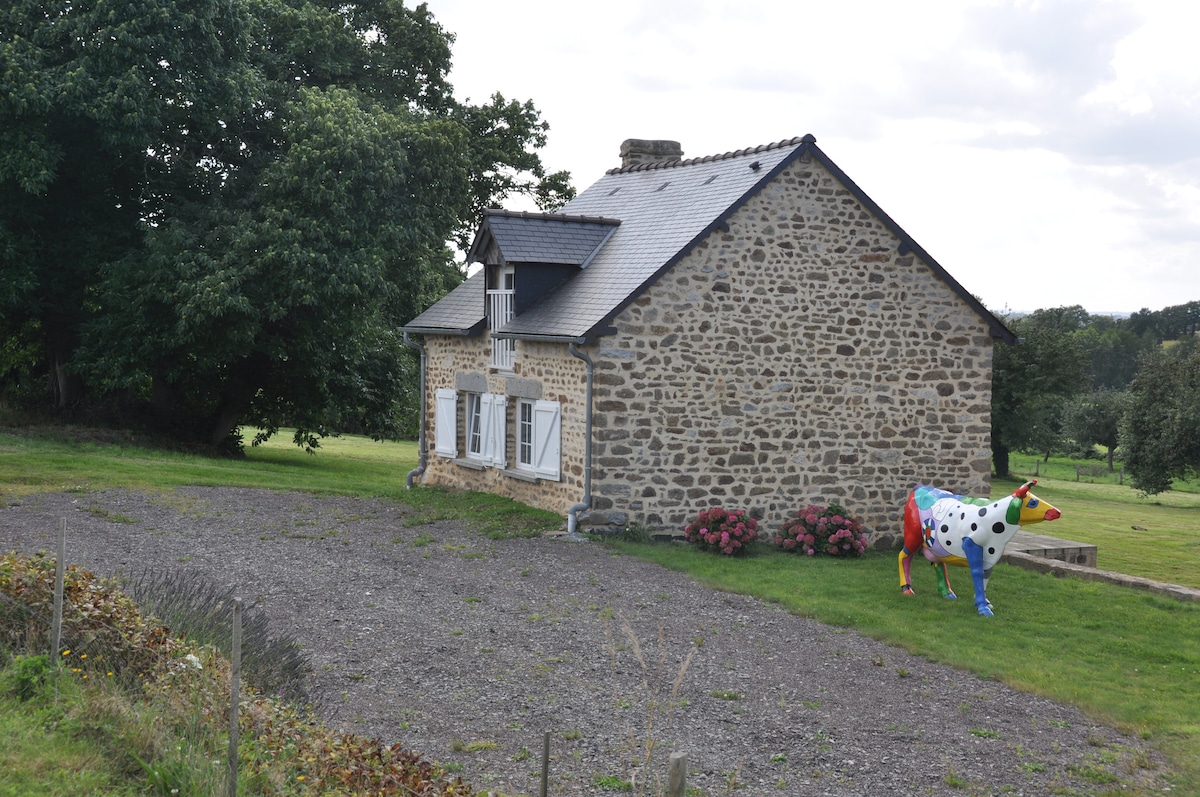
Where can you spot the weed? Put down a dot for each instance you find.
(955, 781)
(610, 783)
(111, 517)
(643, 743)
(725, 695)
(1092, 774)
(477, 746)
(984, 734)
(27, 676)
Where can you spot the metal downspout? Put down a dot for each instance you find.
(422, 440)
(573, 512)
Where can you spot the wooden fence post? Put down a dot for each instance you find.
(235, 678)
(677, 775)
(59, 568)
(545, 763)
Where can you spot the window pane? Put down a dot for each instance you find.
(525, 434)
(474, 437)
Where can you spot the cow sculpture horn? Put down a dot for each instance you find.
(1023, 490)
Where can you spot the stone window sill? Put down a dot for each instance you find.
(521, 475)
(472, 464)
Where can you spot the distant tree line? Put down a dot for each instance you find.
(1077, 381)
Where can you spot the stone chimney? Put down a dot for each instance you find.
(635, 151)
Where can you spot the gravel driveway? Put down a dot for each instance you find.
(468, 650)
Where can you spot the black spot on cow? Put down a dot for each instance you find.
(998, 527)
(983, 512)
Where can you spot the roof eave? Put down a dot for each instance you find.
(472, 331)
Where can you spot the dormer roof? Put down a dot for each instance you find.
(506, 238)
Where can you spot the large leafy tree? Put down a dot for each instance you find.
(1160, 435)
(1032, 381)
(1095, 419)
(220, 210)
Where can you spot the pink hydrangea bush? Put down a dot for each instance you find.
(822, 529)
(726, 531)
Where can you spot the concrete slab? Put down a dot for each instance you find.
(1047, 547)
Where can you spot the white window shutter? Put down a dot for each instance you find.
(547, 439)
(492, 412)
(445, 437)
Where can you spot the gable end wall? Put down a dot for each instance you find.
(796, 358)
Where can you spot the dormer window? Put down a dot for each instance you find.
(501, 282)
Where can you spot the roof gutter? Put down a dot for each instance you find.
(570, 339)
(573, 512)
(423, 442)
(438, 331)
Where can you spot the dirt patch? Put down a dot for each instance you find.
(467, 650)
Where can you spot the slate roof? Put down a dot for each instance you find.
(459, 312)
(664, 210)
(540, 237)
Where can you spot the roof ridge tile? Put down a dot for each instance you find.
(671, 164)
(528, 214)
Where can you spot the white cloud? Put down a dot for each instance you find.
(1044, 152)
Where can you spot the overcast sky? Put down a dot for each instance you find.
(1045, 153)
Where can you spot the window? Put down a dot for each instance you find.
(473, 426)
(485, 425)
(539, 433)
(500, 292)
(525, 435)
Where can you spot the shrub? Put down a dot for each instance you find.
(727, 531)
(820, 529)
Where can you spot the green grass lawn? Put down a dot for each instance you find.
(1165, 546)
(1125, 657)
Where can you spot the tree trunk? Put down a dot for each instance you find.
(162, 395)
(66, 388)
(1000, 460)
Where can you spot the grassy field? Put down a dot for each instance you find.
(1127, 658)
(1156, 537)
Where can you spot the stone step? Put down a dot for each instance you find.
(1047, 547)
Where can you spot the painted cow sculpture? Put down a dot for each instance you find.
(958, 530)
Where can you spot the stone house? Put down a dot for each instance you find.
(748, 330)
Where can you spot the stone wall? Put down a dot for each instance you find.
(801, 356)
(545, 371)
